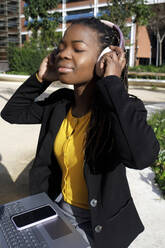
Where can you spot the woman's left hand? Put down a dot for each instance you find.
(113, 62)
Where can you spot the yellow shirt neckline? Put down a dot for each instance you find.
(69, 151)
(77, 117)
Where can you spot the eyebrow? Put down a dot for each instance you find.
(75, 41)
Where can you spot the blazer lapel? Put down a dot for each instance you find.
(58, 114)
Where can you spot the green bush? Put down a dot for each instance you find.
(27, 58)
(148, 68)
(157, 121)
(17, 73)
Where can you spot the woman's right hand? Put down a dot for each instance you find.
(47, 70)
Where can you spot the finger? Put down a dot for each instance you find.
(122, 56)
(45, 61)
(123, 64)
(115, 56)
(100, 67)
(117, 49)
(51, 59)
(101, 64)
(102, 61)
(106, 57)
(122, 60)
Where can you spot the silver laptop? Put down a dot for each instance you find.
(55, 232)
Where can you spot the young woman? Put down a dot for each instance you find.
(88, 136)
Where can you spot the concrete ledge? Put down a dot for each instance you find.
(131, 81)
(12, 78)
(146, 82)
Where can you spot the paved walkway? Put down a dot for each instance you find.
(154, 99)
(17, 150)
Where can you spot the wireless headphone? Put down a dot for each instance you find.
(122, 42)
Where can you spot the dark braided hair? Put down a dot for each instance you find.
(99, 139)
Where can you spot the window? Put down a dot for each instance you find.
(2, 25)
(23, 38)
(80, 11)
(2, 9)
(79, 16)
(70, 1)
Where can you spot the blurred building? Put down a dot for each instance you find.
(13, 26)
(10, 27)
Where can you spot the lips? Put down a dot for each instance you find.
(64, 68)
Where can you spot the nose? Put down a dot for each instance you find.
(65, 53)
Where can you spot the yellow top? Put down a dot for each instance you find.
(69, 150)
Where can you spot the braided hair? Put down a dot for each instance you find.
(99, 138)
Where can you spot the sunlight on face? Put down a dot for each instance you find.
(78, 53)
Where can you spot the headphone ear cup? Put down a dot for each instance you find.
(99, 72)
(106, 50)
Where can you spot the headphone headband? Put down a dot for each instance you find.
(112, 25)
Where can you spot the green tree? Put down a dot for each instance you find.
(121, 11)
(26, 59)
(157, 25)
(40, 17)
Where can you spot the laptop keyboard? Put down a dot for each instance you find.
(17, 239)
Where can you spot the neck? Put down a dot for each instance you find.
(83, 99)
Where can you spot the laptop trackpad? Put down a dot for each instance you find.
(57, 228)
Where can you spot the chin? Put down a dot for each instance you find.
(67, 80)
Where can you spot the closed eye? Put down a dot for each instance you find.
(79, 51)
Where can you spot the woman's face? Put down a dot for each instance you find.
(78, 53)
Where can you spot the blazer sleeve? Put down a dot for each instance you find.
(22, 107)
(135, 142)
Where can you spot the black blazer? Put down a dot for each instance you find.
(115, 221)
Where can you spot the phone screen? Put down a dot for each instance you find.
(34, 216)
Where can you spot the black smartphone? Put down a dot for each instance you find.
(33, 217)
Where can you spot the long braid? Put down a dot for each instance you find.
(99, 134)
